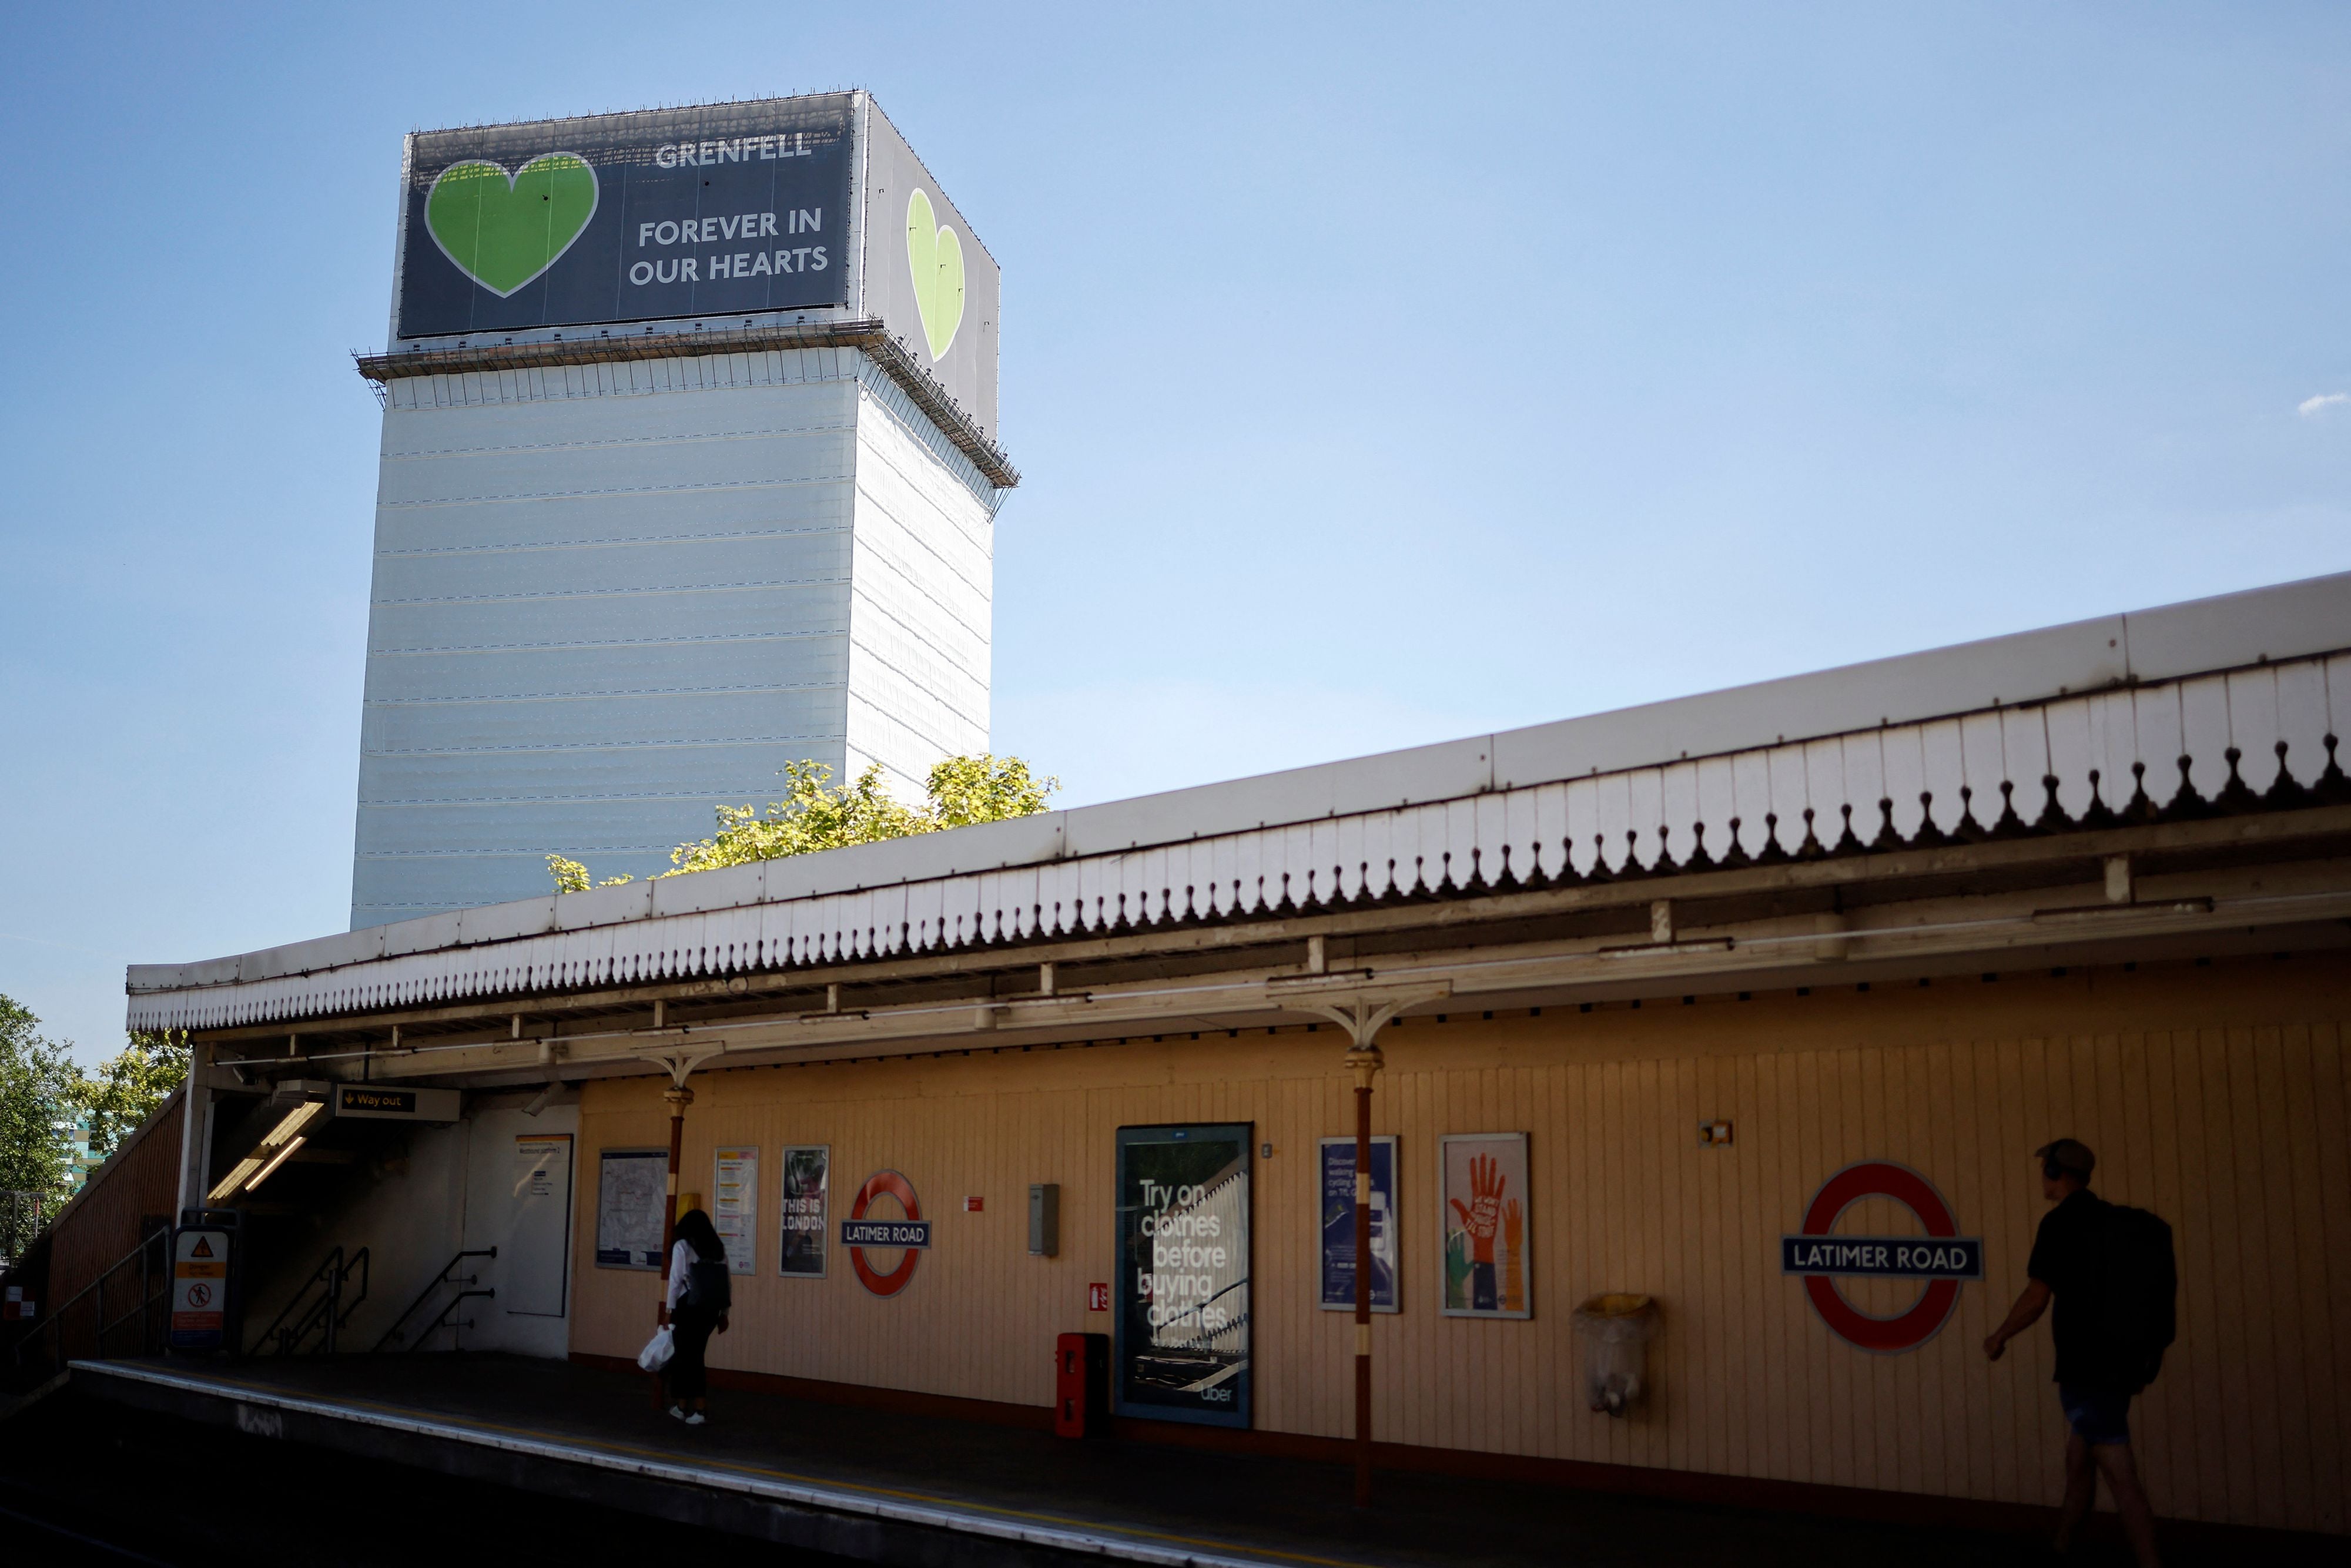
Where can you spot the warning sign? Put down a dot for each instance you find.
(200, 1290)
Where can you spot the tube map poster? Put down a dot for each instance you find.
(628, 1187)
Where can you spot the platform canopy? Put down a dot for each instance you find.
(2159, 783)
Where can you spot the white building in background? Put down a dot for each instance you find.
(669, 512)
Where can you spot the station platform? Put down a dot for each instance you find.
(878, 1486)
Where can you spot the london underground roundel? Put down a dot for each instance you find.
(911, 1234)
(1942, 1257)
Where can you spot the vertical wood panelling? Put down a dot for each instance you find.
(2215, 1096)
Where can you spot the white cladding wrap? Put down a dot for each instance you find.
(610, 599)
(921, 576)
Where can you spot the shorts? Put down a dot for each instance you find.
(2099, 1418)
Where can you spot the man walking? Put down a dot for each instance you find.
(2109, 1268)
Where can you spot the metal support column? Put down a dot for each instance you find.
(1364, 1062)
(677, 1063)
(196, 1129)
(679, 1097)
(1362, 1019)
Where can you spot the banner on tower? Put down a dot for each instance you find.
(724, 210)
(716, 215)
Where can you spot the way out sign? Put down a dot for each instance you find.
(199, 1288)
(1942, 1257)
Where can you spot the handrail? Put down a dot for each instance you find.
(440, 1319)
(298, 1298)
(53, 1327)
(326, 1310)
(426, 1294)
(335, 1320)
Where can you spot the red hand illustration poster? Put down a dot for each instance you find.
(1484, 1201)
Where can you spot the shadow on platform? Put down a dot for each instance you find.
(883, 1487)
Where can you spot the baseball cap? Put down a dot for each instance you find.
(2068, 1154)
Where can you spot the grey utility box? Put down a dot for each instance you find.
(1044, 1219)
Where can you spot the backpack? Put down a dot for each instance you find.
(709, 1287)
(2139, 1293)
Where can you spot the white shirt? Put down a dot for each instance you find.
(680, 1259)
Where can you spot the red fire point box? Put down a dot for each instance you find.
(1081, 1383)
(1097, 1298)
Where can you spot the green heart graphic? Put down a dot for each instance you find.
(503, 230)
(936, 258)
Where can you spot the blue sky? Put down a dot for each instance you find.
(1380, 374)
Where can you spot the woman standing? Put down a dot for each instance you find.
(700, 1292)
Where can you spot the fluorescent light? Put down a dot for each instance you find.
(277, 1144)
(270, 1169)
(235, 1178)
(292, 1123)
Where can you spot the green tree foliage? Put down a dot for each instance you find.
(130, 1086)
(984, 789)
(813, 815)
(41, 1091)
(816, 814)
(571, 876)
(36, 1087)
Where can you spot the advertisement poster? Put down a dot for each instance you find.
(1181, 1328)
(806, 1170)
(628, 1187)
(1338, 1218)
(1483, 1200)
(734, 1205)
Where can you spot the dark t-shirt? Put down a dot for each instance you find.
(2067, 1258)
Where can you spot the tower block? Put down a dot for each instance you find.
(689, 471)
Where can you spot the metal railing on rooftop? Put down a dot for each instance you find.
(607, 345)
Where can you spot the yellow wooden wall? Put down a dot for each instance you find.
(2216, 1096)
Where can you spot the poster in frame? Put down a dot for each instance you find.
(631, 1185)
(1181, 1325)
(734, 1204)
(1335, 1217)
(1484, 1208)
(807, 1179)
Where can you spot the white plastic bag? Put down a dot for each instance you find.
(657, 1351)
